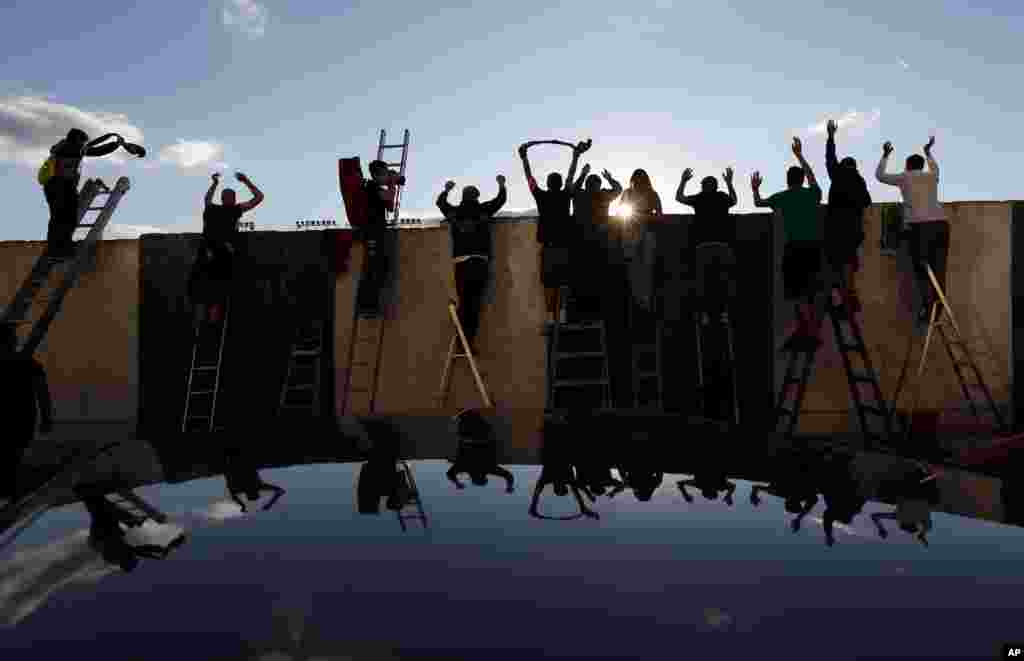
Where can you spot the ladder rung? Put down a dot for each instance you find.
(306, 353)
(580, 382)
(201, 392)
(580, 354)
(873, 409)
(581, 326)
(198, 417)
(398, 146)
(204, 368)
(302, 386)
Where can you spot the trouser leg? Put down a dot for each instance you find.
(477, 272)
(62, 198)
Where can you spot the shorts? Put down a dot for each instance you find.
(842, 248)
(554, 266)
(802, 269)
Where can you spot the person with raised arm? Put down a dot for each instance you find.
(712, 223)
(381, 191)
(553, 225)
(470, 224)
(802, 255)
(927, 235)
(848, 199)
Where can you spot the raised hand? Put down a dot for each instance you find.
(583, 146)
(607, 175)
(797, 147)
(585, 171)
(500, 178)
(216, 177)
(756, 180)
(887, 148)
(832, 127)
(687, 174)
(728, 175)
(522, 149)
(931, 143)
(449, 185)
(241, 177)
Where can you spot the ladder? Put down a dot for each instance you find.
(301, 390)
(459, 341)
(364, 361)
(134, 507)
(18, 311)
(411, 507)
(587, 357)
(714, 307)
(404, 146)
(204, 377)
(647, 365)
(875, 429)
(940, 319)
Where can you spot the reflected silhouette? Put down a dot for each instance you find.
(379, 477)
(557, 471)
(639, 474)
(477, 453)
(711, 483)
(243, 479)
(913, 512)
(107, 536)
(794, 484)
(843, 498)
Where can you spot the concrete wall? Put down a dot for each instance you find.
(91, 352)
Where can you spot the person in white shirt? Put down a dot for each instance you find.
(927, 232)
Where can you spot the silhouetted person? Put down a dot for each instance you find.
(243, 479)
(710, 484)
(107, 536)
(843, 499)
(380, 476)
(802, 255)
(381, 190)
(643, 480)
(913, 511)
(554, 229)
(557, 471)
(595, 476)
(26, 401)
(794, 485)
(927, 230)
(848, 199)
(470, 224)
(219, 247)
(477, 453)
(63, 171)
(644, 207)
(712, 223)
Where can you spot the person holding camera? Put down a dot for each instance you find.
(381, 191)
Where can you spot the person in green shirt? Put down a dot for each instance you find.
(802, 257)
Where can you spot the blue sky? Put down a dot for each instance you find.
(281, 90)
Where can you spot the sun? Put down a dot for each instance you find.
(621, 210)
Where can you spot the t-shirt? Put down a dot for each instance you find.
(920, 191)
(471, 223)
(801, 215)
(220, 222)
(553, 215)
(713, 222)
(376, 209)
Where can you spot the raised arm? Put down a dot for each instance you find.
(578, 186)
(616, 186)
(278, 492)
(932, 165)
(732, 190)
(213, 187)
(526, 164)
(492, 207)
(755, 185)
(576, 151)
(257, 194)
(798, 151)
(880, 175)
(442, 202)
(681, 196)
(506, 475)
(831, 163)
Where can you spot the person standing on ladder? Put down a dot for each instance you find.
(60, 175)
(712, 223)
(470, 224)
(219, 246)
(802, 255)
(381, 190)
(644, 205)
(848, 198)
(552, 225)
(927, 235)
(27, 400)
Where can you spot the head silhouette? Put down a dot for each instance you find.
(77, 136)
(640, 180)
(228, 197)
(554, 181)
(378, 171)
(561, 488)
(479, 478)
(795, 177)
(709, 184)
(593, 183)
(470, 195)
(915, 162)
(848, 163)
(709, 493)
(793, 505)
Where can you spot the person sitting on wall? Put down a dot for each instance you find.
(470, 224)
(802, 255)
(381, 191)
(27, 400)
(553, 226)
(219, 246)
(848, 199)
(927, 235)
(712, 223)
(644, 206)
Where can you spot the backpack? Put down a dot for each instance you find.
(46, 171)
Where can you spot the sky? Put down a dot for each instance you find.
(282, 90)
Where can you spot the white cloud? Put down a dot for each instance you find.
(30, 125)
(853, 121)
(246, 16)
(193, 155)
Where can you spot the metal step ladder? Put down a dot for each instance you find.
(204, 377)
(713, 324)
(646, 362)
(703, 322)
(459, 342)
(128, 502)
(941, 320)
(411, 507)
(876, 429)
(18, 311)
(365, 351)
(588, 344)
(404, 146)
(300, 393)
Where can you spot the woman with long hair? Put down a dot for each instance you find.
(644, 205)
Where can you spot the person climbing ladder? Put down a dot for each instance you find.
(848, 199)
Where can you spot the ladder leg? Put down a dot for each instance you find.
(731, 370)
(916, 397)
(446, 374)
(701, 393)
